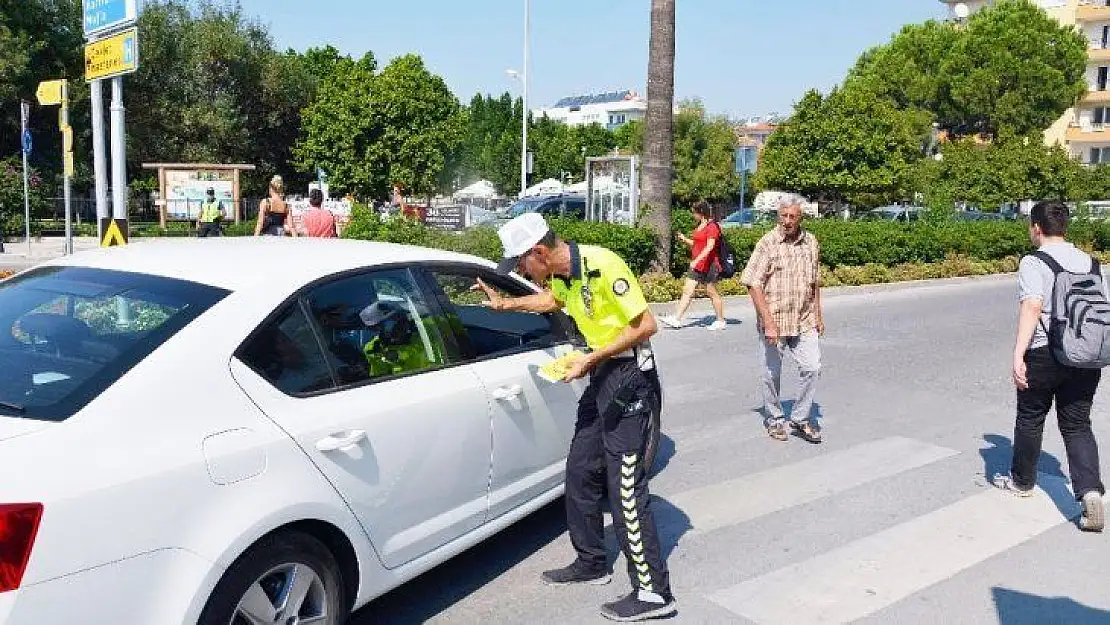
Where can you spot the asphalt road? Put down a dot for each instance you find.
(890, 520)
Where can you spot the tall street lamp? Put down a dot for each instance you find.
(523, 77)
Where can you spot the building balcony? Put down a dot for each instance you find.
(1091, 12)
(1098, 55)
(1095, 133)
(1096, 97)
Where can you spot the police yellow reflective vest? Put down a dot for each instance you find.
(210, 212)
(601, 294)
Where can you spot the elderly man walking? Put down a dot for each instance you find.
(783, 277)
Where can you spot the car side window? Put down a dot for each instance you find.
(490, 333)
(377, 325)
(575, 209)
(286, 353)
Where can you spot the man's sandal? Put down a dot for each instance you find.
(806, 432)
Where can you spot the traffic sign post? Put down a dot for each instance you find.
(111, 51)
(56, 93)
(24, 119)
(745, 163)
(101, 16)
(112, 56)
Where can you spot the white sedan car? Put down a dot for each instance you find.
(248, 431)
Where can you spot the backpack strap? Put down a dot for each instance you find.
(1047, 259)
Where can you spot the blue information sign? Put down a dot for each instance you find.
(102, 15)
(27, 142)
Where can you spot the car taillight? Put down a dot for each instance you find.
(19, 522)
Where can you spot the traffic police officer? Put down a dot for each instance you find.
(211, 213)
(598, 291)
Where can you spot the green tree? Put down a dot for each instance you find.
(338, 131)
(418, 125)
(850, 146)
(704, 149)
(1012, 71)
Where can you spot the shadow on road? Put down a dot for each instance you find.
(444, 586)
(997, 458)
(1018, 608)
(663, 455)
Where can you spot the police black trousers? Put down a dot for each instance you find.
(610, 437)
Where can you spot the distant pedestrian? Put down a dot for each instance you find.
(1041, 380)
(210, 216)
(318, 221)
(273, 212)
(704, 268)
(784, 279)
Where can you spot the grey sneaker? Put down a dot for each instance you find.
(639, 607)
(1094, 518)
(1006, 483)
(576, 574)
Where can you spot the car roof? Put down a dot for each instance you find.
(243, 263)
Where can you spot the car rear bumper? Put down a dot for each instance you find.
(150, 588)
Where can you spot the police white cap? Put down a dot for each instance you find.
(517, 237)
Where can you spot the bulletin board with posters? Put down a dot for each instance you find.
(613, 189)
(185, 192)
(182, 187)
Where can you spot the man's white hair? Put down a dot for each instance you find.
(791, 199)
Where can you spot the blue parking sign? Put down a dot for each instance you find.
(27, 142)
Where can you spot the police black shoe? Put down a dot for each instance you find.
(639, 606)
(576, 574)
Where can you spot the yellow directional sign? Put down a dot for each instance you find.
(115, 232)
(113, 56)
(51, 92)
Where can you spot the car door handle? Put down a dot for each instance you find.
(340, 440)
(506, 393)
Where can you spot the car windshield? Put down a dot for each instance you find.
(525, 206)
(68, 333)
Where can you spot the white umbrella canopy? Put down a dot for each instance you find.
(550, 185)
(482, 189)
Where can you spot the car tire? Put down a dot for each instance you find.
(271, 565)
(655, 421)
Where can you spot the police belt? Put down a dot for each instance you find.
(642, 353)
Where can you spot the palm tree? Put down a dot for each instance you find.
(659, 130)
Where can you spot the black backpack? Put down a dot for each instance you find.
(725, 255)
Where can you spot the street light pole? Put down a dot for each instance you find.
(524, 106)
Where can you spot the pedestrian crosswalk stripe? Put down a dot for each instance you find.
(863, 577)
(755, 495)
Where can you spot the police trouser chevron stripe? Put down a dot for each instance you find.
(606, 453)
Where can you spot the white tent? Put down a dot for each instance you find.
(578, 187)
(483, 189)
(546, 187)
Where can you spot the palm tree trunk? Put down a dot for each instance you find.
(658, 172)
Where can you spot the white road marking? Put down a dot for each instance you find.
(758, 494)
(863, 577)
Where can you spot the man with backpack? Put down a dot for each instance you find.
(1061, 347)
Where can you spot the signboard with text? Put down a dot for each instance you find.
(104, 15)
(114, 56)
(452, 218)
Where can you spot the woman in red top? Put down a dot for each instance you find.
(703, 268)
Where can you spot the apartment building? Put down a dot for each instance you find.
(611, 110)
(1085, 129)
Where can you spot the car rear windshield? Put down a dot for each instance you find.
(68, 333)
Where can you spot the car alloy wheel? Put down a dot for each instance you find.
(288, 594)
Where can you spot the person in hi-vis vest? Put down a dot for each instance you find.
(210, 216)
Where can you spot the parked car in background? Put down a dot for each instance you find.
(747, 218)
(569, 205)
(895, 212)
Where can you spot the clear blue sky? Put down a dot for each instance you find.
(741, 57)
